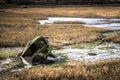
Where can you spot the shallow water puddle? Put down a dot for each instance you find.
(5, 65)
(92, 53)
(26, 65)
(113, 23)
(101, 52)
(4, 62)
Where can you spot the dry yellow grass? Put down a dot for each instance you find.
(113, 38)
(68, 22)
(69, 11)
(58, 35)
(106, 70)
(19, 25)
(30, 15)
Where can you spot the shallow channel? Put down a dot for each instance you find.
(111, 23)
(91, 54)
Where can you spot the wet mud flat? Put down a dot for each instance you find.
(88, 52)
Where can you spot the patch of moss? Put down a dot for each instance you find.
(104, 48)
(17, 63)
(86, 44)
(78, 46)
(7, 54)
(113, 31)
(110, 32)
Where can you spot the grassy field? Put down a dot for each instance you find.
(19, 25)
(106, 70)
(58, 35)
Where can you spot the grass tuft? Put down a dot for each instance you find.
(103, 70)
(113, 38)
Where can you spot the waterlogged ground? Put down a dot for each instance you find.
(86, 51)
(90, 52)
(13, 63)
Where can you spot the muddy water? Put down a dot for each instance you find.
(91, 54)
(113, 23)
(5, 64)
(101, 52)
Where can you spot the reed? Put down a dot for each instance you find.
(59, 35)
(103, 70)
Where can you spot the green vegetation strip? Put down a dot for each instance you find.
(7, 54)
(86, 44)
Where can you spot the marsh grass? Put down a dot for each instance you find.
(102, 70)
(19, 25)
(87, 44)
(113, 38)
(58, 36)
(68, 22)
(66, 11)
(104, 48)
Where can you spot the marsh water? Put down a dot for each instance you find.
(111, 23)
(90, 53)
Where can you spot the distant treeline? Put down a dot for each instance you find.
(60, 2)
